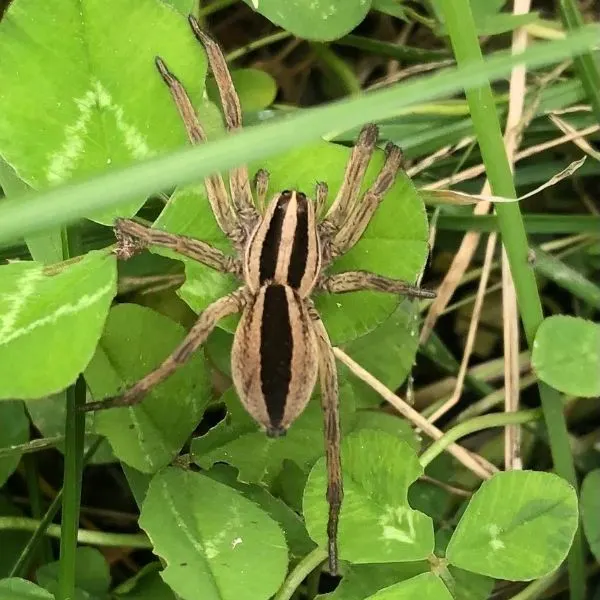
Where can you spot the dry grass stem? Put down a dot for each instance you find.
(512, 373)
(410, 71)
(491, 370)
(478, 465)
(452, 489)
(472, 332)
(493, 400)
(477, 170)
(444, 152)
(515, 125)
(460, 264)
(580, 142)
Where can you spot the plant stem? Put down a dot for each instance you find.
(537, 588)
(308, 564)
(32, 446)
(477, 424)
(256, 44)
(21, 564)
(35, 501)
(213, 7)
(337, 67)
(73, 472)
(463, 35)
(85, 536)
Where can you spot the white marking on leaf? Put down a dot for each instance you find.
(140, 438)
(180, 520)
(63, 163)
(392, 524)
(15, 302)
(211, 547)
(329, 12)
(7, 331)
(495, 542)
(134, 139)
(255, 4)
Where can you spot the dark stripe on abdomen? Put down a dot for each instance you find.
(270, 246)
(299, 255)
(276, 346)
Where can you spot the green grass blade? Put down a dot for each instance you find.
(46, 247)
(586, 64)
(22, 562)
(567, 277)
(534, 223)
(73, 471)
(463, 35)
(337, 68)
(397, 51)
(39, 212)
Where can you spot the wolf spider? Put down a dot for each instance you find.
(280, 344)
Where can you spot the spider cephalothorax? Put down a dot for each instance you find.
(280, 345)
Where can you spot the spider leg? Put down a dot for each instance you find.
(206, 322)
(354, 281)
(261, 184)
(351, 230)
(353, 177)
(239, 182)
(133, 237)
(215, 187)
(329, 401)
(321, 191)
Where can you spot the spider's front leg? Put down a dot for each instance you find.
(353, 176)
(348, 216)
(238, 217)
(361, 213)
(197, 335)
(215, 187)
(239, 182)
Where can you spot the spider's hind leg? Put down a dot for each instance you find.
(331, 426)
(197, 335)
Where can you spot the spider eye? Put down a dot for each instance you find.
(286, 193)
(301, 195)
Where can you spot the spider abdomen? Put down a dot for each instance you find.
(284, 248)
(274, 358)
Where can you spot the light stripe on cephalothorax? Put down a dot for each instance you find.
(284, 248)
(274, 358)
